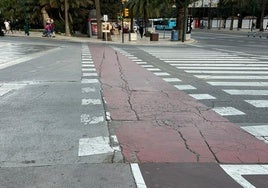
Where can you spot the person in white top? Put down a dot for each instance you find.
(7, 25)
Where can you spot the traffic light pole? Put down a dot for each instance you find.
(122, 26)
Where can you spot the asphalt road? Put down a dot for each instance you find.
(53, 110)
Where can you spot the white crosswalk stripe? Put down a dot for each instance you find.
(237, 74)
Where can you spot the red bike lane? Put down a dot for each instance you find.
(172, 136)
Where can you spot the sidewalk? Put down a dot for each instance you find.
(116, 39)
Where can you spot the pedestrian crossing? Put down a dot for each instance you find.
(236, 74)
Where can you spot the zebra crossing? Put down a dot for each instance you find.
(235, 74)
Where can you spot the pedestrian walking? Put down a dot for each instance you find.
(53, 27)
(7, 26)
(141, 30)
(47, 32)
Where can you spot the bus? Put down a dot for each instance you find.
(165, 24)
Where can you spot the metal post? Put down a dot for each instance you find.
(122, 27)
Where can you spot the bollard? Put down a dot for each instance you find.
(254, 34)
(260, 35)
(249, 34)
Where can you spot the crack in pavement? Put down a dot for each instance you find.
(197, 155)
(125, 87)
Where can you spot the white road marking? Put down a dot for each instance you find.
(225, 72)
(172, 79)
(94, 146)
(24, 59)
(221, 65)
(237, 172)
(141, 63)
(87, 62)
(244, 77)
(154, 69)
(184, 87)
(161, 73)
(131, 57)
(88, 89)
(91, 101)
(222, 68)
(137, 175)
(85, 74)
(87, 66)
(89, 69)
(212, 61)
(258, 103)
(87, 119)
(136, 60)
(246, 92)
(108, 116)
(259, 131)
(147, 66)
(90, 66)
(89, 81)
(204, 58)
(202, 96)
(115, 141)
(87, 59)
(5, 88)
(256, 84)
(227, 111)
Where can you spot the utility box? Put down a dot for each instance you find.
(154, 37)
(133, 36)
(174, 35)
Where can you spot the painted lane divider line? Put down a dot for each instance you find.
(91, 101)
(89, 81)
(88, 89)
(88, 74)
(87, 119)
(137, 175)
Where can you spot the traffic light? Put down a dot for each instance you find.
(126, 13)
(119, 15)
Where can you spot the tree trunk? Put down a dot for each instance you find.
(232, 17)
(98, 16)
(180, 22)
(263, 4)
(66, 10)
(44, 16)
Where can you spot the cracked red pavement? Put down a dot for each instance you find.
(155, 122)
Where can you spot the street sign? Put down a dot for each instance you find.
(105, 18)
